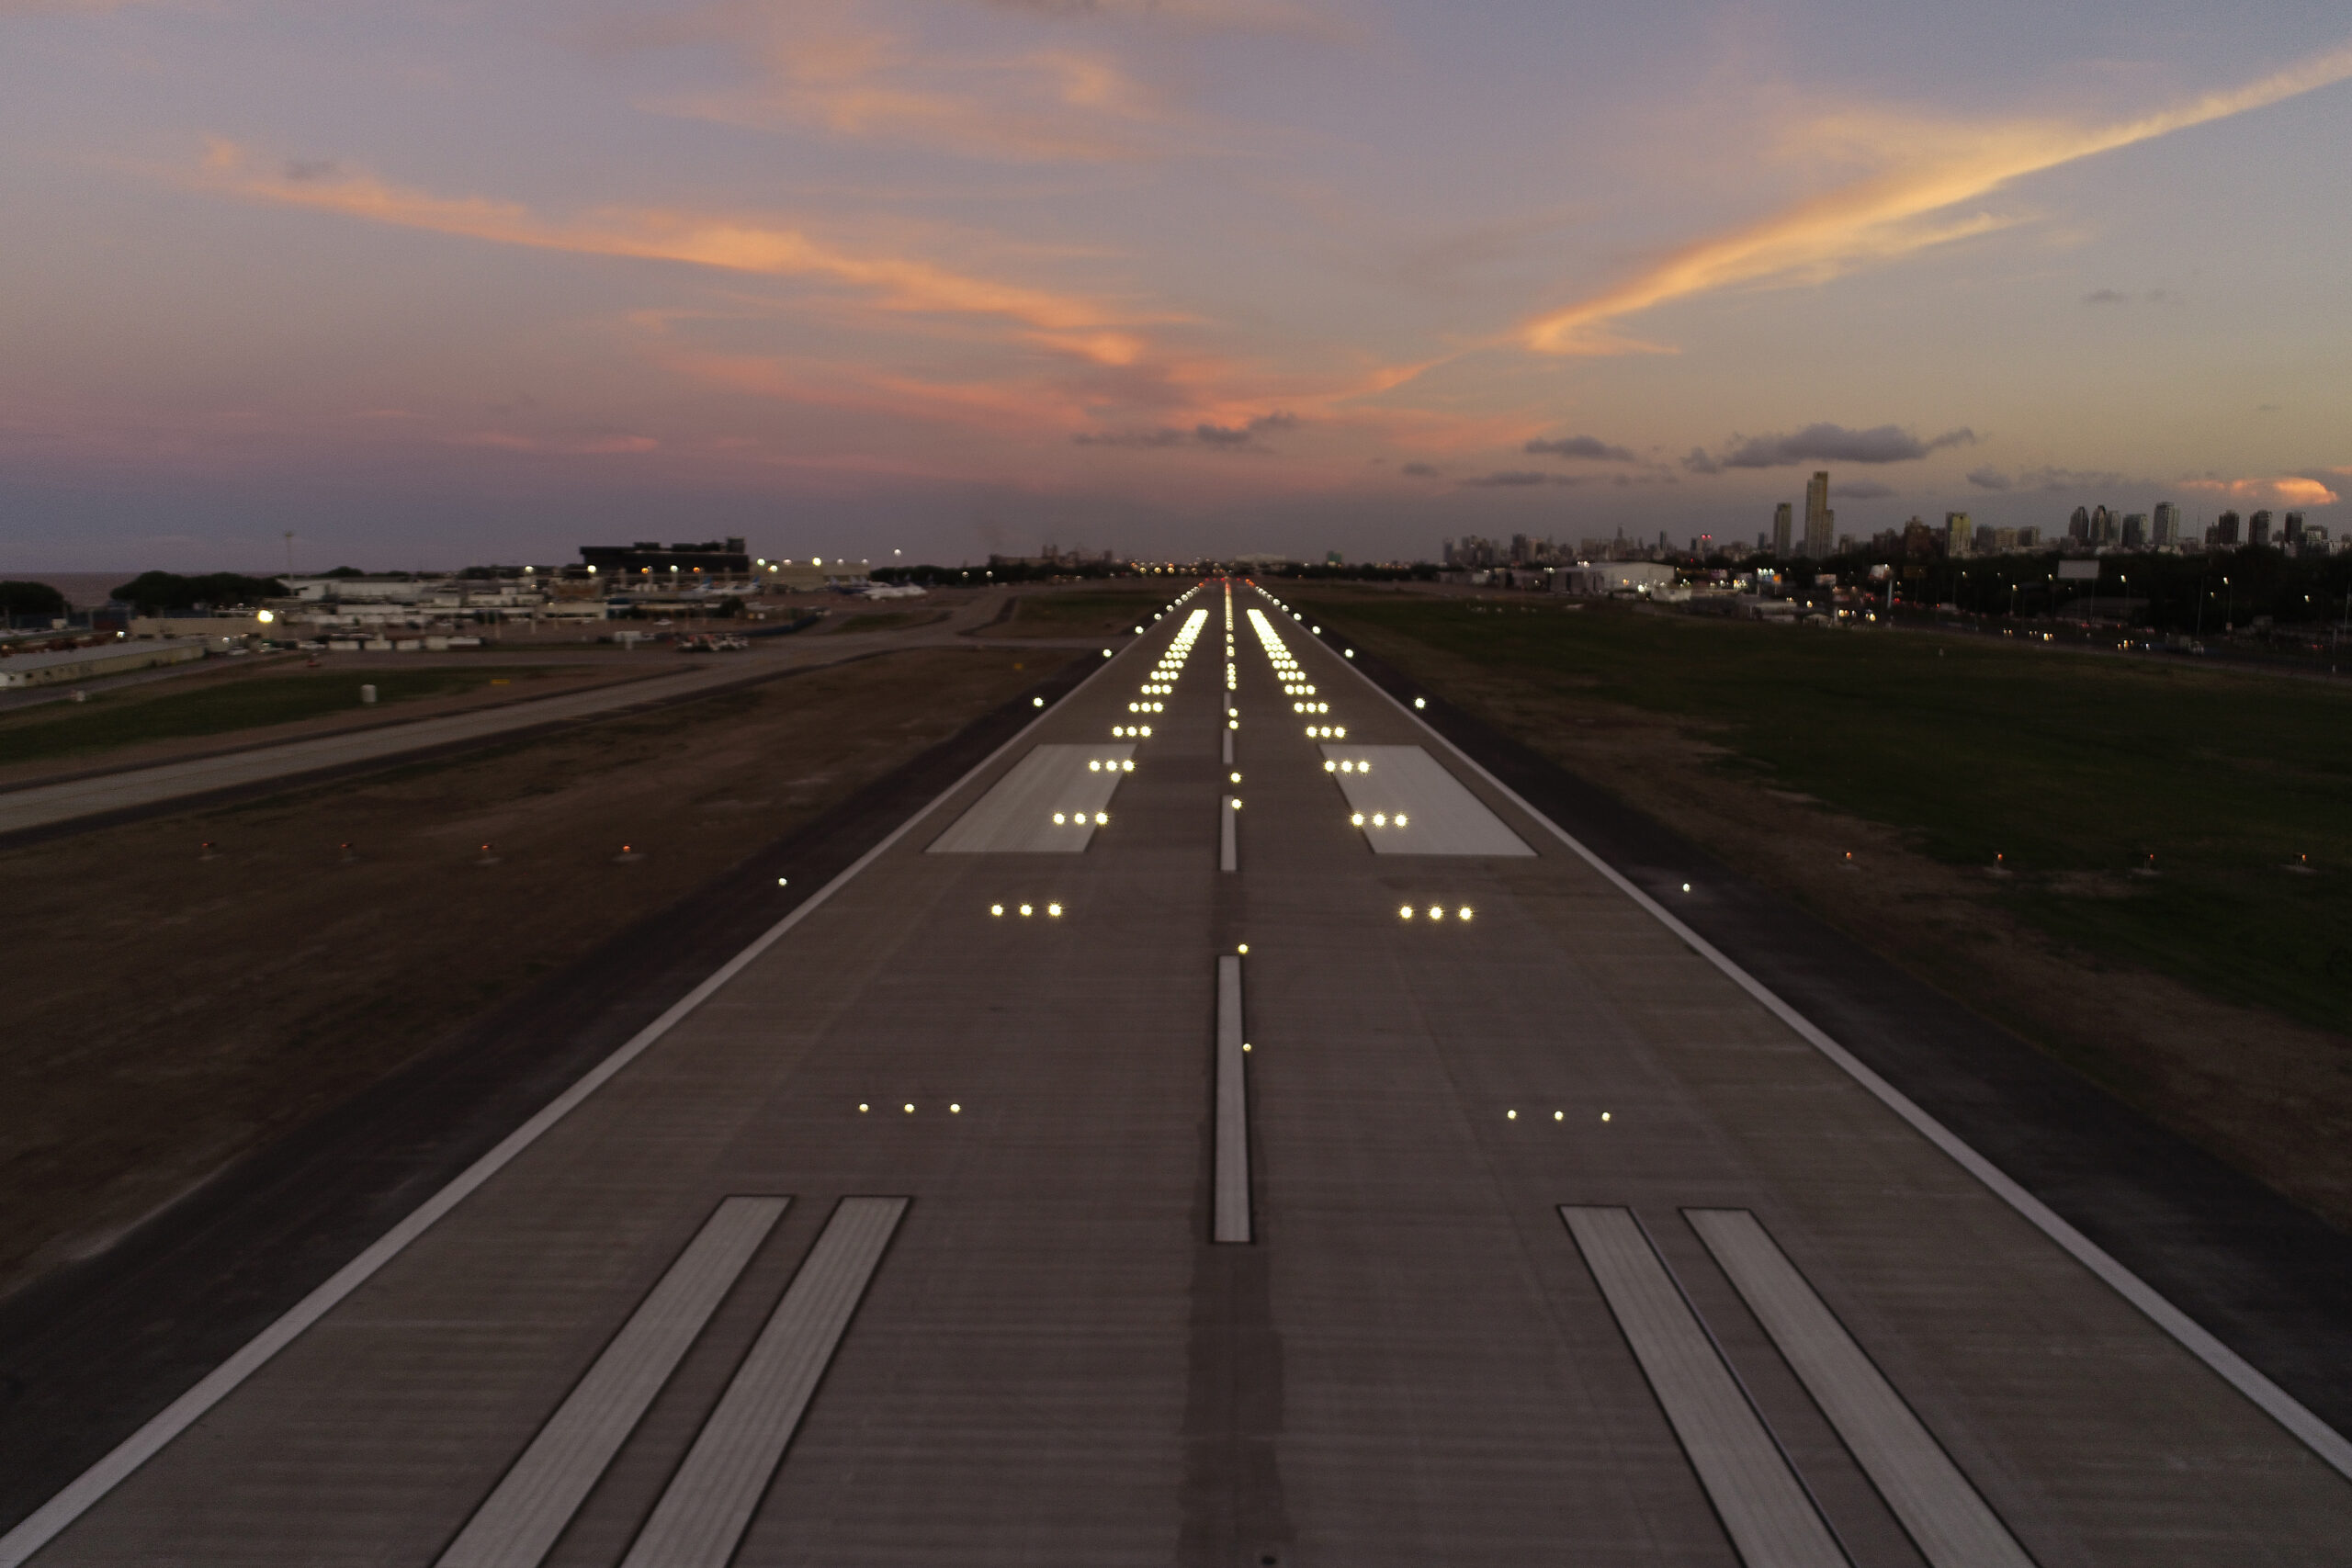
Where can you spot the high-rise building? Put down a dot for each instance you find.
(2135, 531)
(1959, 534)
(2078, 526)
(2167, 525)
(2291, 533)
(1820, 522)
(2225, 529)
(1781, 527)
(2257, 528)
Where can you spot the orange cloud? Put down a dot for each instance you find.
(1070, 323)
(1927, 170)
(2289, 491)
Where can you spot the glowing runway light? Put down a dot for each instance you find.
(863, 1109)
(1055, 911)
(1025, 911)
(996, 908)
(1464, 913)
(1405, 913)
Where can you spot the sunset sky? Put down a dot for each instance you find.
(447, 282)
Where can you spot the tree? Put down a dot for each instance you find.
(31, 599)
(157, 591)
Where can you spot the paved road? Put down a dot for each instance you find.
(107, 795)
(1561, 1242)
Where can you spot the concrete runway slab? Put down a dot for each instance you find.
(1046, 1357)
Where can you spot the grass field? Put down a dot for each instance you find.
(2074, 768)
(889, 620)
(137, 713)
(1081, 614)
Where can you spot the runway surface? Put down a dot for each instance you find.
(899, 1241)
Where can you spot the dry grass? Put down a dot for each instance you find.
(169, 1013)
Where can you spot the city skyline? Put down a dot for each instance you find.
(1206, 277)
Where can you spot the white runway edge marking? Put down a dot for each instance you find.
(2234, 1368)
(709, 1503)
(1016, 815)
(39, 1528)
(518, 1524)
(1764, 1508)
(1229, 849)
(1951, 1524)
(1231, 1221)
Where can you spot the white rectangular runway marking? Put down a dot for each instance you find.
(1441, 817)
(1231, 1222)
(1764, 1508)
(1228, 733)
(1953, 1527)
(708, 1504)
(1229, 850)
(1016, 815)
(520, 1521)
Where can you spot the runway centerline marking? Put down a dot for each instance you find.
(709, 1502)
(518, 1523)
(1231, 1221)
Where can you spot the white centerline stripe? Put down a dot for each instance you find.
(519, 1522)
(1229, 850)
(39, 1528)
(1952, 1526)
(2193, 1336)
(1764, 1508)
(708, 1504)
(1231, 1222)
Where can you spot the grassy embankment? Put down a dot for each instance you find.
(2216, 994)
(133, 715)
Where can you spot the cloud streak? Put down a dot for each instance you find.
(1071, 324)
(1586, 446)
(1824, 443)
(1927, 171)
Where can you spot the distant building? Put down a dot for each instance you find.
(1820, 522)
(1783, 528)
(2078, 526)
(2257, 528)
(2225, 529)
(647, 558)
(2291, 533)
(2135, 531)
(1959, 534)
(2167, 525)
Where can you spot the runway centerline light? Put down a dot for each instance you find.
(1405, 913)
(909, 1108)
(996, 908)
(863, 1108)
(1462, 913)
(1025, 911)
(1055, 911)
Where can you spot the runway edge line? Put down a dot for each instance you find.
(50, 1520)
(2322, 1439)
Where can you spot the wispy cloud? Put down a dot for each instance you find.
(1241, 437)
(2047, 479)
(1924, 171)
(1824, 443)
(1072, 323)
(1040, 104)
(1589, 446)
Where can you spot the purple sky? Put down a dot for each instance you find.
(435, 284)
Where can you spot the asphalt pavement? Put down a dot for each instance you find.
(914, 1233)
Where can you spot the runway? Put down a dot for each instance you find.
(1406, 1193)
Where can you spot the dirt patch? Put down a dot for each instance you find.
(2270, 1095)
(171, 1012)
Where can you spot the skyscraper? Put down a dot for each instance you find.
(1820, 522)
(1781, 527)
(2135, 530)
(2168, 525)
(2257, 528)
(2078, 526)
(1959, 535)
